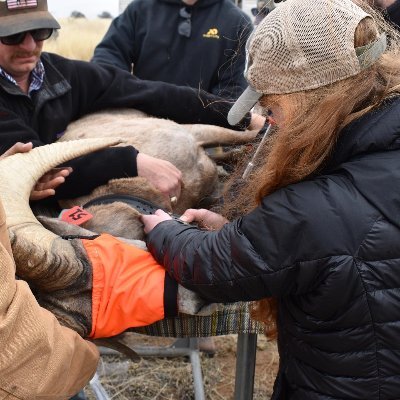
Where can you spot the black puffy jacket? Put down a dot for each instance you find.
(329, 250)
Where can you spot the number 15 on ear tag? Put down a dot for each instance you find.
(75, 215)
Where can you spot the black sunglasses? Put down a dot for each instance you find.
(37, 34)
(185, 26)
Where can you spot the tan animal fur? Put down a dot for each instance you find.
(182, 145)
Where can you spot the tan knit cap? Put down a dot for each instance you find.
(301, 45)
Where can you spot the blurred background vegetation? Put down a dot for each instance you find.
(77, 37)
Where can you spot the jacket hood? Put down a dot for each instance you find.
(198, 4)
(368, 153)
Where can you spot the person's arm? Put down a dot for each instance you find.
(238, 262)
(278, 249)
(39, 357)
(181, 104)
(115, 88)
(221, 266)
(118, 45)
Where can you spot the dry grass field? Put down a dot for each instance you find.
(157, 378)
(77, 37)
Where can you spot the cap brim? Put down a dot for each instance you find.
(243, 105)
(11, 25)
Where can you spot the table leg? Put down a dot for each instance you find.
(245, 366)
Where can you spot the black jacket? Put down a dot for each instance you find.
(392, 13)
(212, 58)
(72, 89)
(329, 250)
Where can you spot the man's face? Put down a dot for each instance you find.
(19, 60)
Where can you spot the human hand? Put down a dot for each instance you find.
(48, 182)
(205, 219)
(17, 148)
(152, 220)
(160, 173)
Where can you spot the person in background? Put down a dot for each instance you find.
(196, 43)
(260, 11)
(318, 241)
(263, 8)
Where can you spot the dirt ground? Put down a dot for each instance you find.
(171, 378)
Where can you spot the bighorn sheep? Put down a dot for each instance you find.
(57, 269)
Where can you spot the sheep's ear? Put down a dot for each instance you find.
(211, 136)
(62, 228)
(117, 343)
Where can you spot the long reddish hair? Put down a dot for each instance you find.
(313, 120)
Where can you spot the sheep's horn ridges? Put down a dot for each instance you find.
(19, 173)
(41, 256)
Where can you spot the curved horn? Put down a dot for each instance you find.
(40, 255)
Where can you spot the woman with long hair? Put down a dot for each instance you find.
(318, 240)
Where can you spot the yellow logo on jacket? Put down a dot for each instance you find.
(212, 34)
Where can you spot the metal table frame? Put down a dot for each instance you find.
(189, 347)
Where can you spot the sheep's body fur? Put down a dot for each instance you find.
(182, 145)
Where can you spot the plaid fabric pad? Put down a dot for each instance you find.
(233, 319)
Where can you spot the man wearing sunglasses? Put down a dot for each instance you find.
(41, 93)
(198, 43)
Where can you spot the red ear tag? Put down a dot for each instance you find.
(75, 215)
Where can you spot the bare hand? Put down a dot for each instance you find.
(160, 173)
(151, 221)
(48, 182)
(205, 219)
(17, 148)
